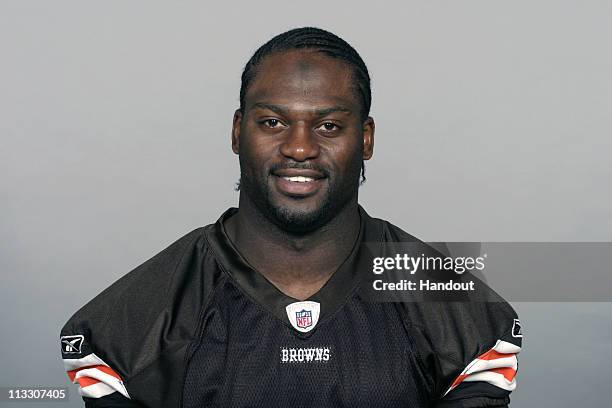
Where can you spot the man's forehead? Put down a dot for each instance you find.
(303, 81)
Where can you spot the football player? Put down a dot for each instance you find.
(266, 306)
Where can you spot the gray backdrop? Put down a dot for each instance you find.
(493, 124)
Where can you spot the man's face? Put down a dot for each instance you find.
(301, 139)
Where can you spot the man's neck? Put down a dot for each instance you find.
(297, 264)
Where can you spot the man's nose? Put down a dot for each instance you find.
(300, 143)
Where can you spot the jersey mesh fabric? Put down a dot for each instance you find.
(237, 362)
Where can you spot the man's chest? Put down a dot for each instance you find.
(245, 356)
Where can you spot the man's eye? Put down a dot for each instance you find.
(329, 126)
(272, 123)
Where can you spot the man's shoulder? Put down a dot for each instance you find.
(455, 329)
(484, 315)
(150, 283)
(156, 273)
(143, 321)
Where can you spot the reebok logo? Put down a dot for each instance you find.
(517, 330)
(71, 344)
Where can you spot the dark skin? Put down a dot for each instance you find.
(300, 140)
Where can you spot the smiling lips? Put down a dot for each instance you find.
(300, 179)
(298, 182)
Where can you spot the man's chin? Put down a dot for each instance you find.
(299, 217)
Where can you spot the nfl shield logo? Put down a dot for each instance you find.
(304, 315)
(304, 318)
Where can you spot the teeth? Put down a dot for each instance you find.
(299, 179)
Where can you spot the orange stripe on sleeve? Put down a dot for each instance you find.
(85, 381)
(103, 368)
(507, 372)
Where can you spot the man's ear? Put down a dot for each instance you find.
(368, 138)
(236, 131)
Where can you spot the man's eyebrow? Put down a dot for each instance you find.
(283, 110)
(331, 109)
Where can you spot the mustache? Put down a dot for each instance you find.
(300, 166)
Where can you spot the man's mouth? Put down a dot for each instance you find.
(299, 179)
(298, 182)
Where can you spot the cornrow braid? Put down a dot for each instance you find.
(321, 41)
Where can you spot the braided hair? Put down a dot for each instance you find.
(321, 41)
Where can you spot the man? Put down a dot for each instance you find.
(266, 307)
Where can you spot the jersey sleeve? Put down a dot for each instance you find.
(469, 352)
(124, 346)
(492, 373)
(96, 379)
